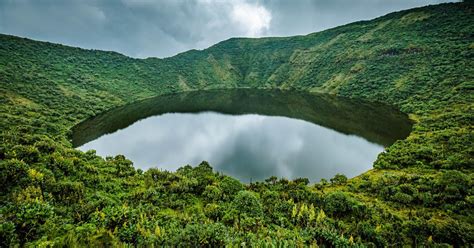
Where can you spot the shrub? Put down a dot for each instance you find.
(339, 179)
(338, 203)
(247, 203)
(230, 187)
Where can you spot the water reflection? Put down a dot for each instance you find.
(244, 146)
(247, 146)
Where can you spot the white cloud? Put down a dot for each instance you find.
(162, 28)
(253, 19)
(93, 12)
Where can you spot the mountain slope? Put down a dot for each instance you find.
(420, 60)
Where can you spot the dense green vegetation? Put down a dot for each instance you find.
(420, 191)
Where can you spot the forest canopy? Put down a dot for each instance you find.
(419, 193)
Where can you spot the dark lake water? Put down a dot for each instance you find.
(248, 134)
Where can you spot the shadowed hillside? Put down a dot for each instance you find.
(377, 123)
(420, 192)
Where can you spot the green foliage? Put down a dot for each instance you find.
(230, 186)
(339, 179)
(419, 194)
(12, 171)
(247, 203)
(341, 204)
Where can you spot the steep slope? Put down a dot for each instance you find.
(419, 60)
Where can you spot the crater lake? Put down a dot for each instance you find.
(248, 134)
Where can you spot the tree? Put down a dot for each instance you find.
(247, 202)
(338, 203)
(339, 179)
(230, 187)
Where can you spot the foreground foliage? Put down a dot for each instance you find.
(420, 192)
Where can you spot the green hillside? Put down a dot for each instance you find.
(420, 192)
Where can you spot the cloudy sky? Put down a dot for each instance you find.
(163, 28)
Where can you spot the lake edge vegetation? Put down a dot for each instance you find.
(419, 193)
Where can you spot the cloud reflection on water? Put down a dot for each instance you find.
(248, 147)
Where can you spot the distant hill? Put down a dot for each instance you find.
(420, 193)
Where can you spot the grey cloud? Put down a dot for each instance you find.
(145, 28)
(306, 16)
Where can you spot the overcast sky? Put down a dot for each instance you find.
(163, 28)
